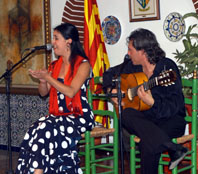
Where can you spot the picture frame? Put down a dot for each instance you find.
(26, 24)
(144, 10)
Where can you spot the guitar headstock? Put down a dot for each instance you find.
(166, 77)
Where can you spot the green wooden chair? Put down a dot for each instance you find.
(92, 163)
(188, 140)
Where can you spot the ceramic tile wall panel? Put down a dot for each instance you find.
(24, 110)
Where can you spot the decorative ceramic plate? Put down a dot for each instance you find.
(174, 27)
(111, 30)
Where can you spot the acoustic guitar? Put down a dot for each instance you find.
(131, 82)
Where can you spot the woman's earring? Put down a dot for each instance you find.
(68, 47)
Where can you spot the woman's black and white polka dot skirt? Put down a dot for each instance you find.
(51, 144)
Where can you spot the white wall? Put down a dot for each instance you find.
(120, 9)
(57, 7)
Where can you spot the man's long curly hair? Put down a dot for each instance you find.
(143, 39)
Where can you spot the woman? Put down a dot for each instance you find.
(50, 145)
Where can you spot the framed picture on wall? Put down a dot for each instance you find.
(24, 24)
(143, 10)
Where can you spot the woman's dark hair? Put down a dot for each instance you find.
(69, 31)
(145, 40)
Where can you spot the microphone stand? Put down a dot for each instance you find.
(120, 96)
(7, 77)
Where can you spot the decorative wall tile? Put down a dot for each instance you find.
(24, 110)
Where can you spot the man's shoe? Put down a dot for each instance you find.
(177, 157)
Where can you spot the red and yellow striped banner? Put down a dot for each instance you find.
(94, 46)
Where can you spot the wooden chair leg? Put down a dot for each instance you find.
(175, 171)
(132, 155)
(115, 152)
(87, 154)
(160, 167)
(93, 156)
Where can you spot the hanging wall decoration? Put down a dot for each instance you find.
(174, 27)
(111, 29)
(23, 25)
(143, 10)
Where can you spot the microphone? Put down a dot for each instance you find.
(126, 60)
(47, 47)
(108, 76)
(109, 95)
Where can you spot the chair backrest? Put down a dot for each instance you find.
(191, 102)
(93, 161)
(191, 116)
(95, 95)
(92, 93)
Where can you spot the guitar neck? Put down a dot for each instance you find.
(147, 85)
(150, 84)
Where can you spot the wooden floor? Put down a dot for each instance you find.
(4, 163)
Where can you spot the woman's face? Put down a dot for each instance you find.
(59, 44)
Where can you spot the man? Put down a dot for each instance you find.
(164, 119)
